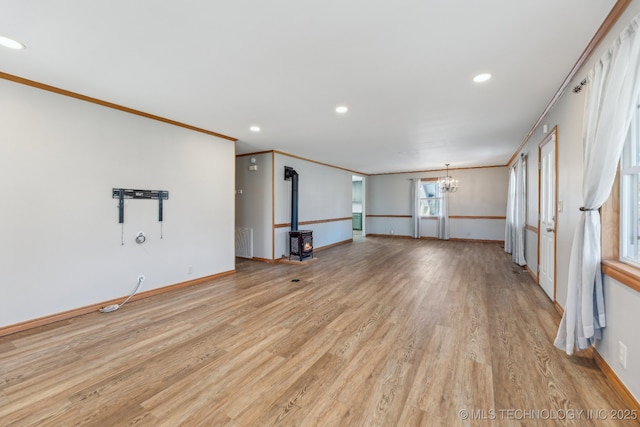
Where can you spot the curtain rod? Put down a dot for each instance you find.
(578, 88)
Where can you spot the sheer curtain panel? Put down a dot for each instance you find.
(511, 208)
(416, 187)
(611, 94)
(443, 214)
(516, 214)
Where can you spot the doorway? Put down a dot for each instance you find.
(357, 206)
(547, 208)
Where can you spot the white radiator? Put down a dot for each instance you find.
(244, 242)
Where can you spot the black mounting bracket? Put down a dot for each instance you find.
(123, 193)
(289, 173)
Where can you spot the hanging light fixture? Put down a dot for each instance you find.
(448, 184)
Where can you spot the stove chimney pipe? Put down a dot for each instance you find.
(291, 174)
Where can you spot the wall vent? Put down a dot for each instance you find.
(244, 242)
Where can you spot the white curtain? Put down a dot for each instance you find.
(516, 215)
(612, 91)
(511, 208)
(416, 187)
(443, 214)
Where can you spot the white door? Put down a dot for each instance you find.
(547, 226)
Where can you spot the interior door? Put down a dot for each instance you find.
(547, 215)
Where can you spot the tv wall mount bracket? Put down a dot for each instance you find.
(124, 193)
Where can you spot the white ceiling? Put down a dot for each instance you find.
(404, 68)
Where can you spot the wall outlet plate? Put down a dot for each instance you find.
(623, 354)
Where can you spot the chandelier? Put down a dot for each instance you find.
(448, 184)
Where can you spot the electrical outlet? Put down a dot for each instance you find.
(623, 354)
(190, 269)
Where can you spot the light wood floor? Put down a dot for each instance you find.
(382, 331)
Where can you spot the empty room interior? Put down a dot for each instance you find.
(361, 213)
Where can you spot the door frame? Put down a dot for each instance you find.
(552, 135)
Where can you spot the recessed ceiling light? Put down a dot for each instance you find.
(10, 43)
(254, 128)
(341, 109)
(482, 77)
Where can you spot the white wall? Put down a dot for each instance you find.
(482, 192)
(324, 194)
(389, 195)
(254, 204)
(622, 303)
(60, 245)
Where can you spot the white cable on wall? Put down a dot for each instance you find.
(114, 307)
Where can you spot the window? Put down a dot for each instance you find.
(630, 195)
(620, 216)
(429, 197)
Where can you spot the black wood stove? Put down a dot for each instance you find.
(300, 241)
(301, 244)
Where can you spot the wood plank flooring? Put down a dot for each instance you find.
(380, 332)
